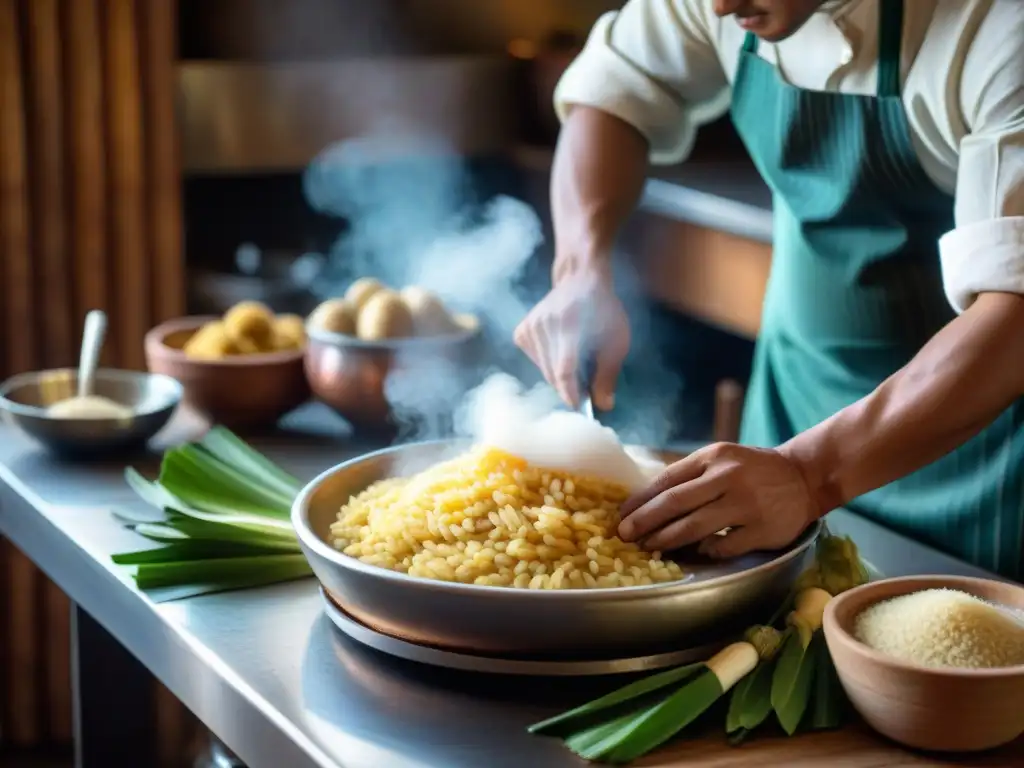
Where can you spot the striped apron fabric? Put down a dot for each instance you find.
(856, 290)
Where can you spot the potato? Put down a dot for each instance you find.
(335, 316)
(466, 322)
(210, 342)
(289, 332)
(251, 326)
(384, 316)
(429, 316)
(362, 290)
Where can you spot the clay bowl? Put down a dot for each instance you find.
(349, 374)
(939, 710)
(243, 392)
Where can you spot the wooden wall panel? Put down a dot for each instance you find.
(87, 159)
(90, 217)
(711, 275)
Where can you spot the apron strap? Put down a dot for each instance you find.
(890, 41)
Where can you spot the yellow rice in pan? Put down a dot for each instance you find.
(489, 518)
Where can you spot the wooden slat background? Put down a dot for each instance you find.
(90, 217)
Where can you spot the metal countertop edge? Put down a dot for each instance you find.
(239, 716)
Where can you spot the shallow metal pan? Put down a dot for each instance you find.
(715, 600)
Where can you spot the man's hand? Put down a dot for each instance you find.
(758, 493)
(581, 315)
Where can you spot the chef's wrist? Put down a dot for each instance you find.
(594, 263)
(816, 465)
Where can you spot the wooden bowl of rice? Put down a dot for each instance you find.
(623, 605)
(933, 708)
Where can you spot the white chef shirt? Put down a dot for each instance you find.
(665, 67)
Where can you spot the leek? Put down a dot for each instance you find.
(784, 669)
(791, 683)
(829, 701)
(751, 701)
(627, 693)
(221, 515)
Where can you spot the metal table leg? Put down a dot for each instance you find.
(114, 715)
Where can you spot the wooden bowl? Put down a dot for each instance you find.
(349, 375)
(242, 392)
(940, 710)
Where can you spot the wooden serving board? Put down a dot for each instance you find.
(854, 746)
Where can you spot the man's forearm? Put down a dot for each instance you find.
(970, 372)
(599, 171)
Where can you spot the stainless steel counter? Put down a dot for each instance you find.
(263, 668)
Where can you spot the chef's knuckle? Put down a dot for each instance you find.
(715, 452)
(564, 375)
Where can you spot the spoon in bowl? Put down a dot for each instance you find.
(86, 405)
(92, 344)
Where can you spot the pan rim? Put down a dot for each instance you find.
(311, 542)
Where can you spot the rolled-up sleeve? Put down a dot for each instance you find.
(654, 66)
(985, 252)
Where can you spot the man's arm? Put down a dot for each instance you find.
(598, 175)
(957, 385)
(648, 76)
(973, 369)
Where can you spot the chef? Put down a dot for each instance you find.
(889, 371)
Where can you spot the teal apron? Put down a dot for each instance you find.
(856, 290)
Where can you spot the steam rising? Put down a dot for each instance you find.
(414, 218)
(527, 424)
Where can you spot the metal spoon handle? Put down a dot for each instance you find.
(587, 370)
(92, 344)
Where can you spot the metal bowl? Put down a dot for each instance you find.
(153, 398)
(716, 599)
(350, 375)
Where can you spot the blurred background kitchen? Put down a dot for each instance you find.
(161, 158)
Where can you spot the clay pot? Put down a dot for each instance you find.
(941, 710)
(239, 392)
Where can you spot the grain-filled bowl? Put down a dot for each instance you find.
(712, 601)
(351, 375)
(928, 708)
(25, 401)
(239, 392)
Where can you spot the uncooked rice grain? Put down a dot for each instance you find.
(491, 519)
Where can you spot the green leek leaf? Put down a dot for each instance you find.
(230, 449)
(626, 693)
(829, 700)
(159, 497)
(226, 570)
(661, 722)
(751, 701)
(191, 473)
(190, 550)
(583, 742)
(183, 527)
(791, 683)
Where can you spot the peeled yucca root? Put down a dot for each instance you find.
(782, 668)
